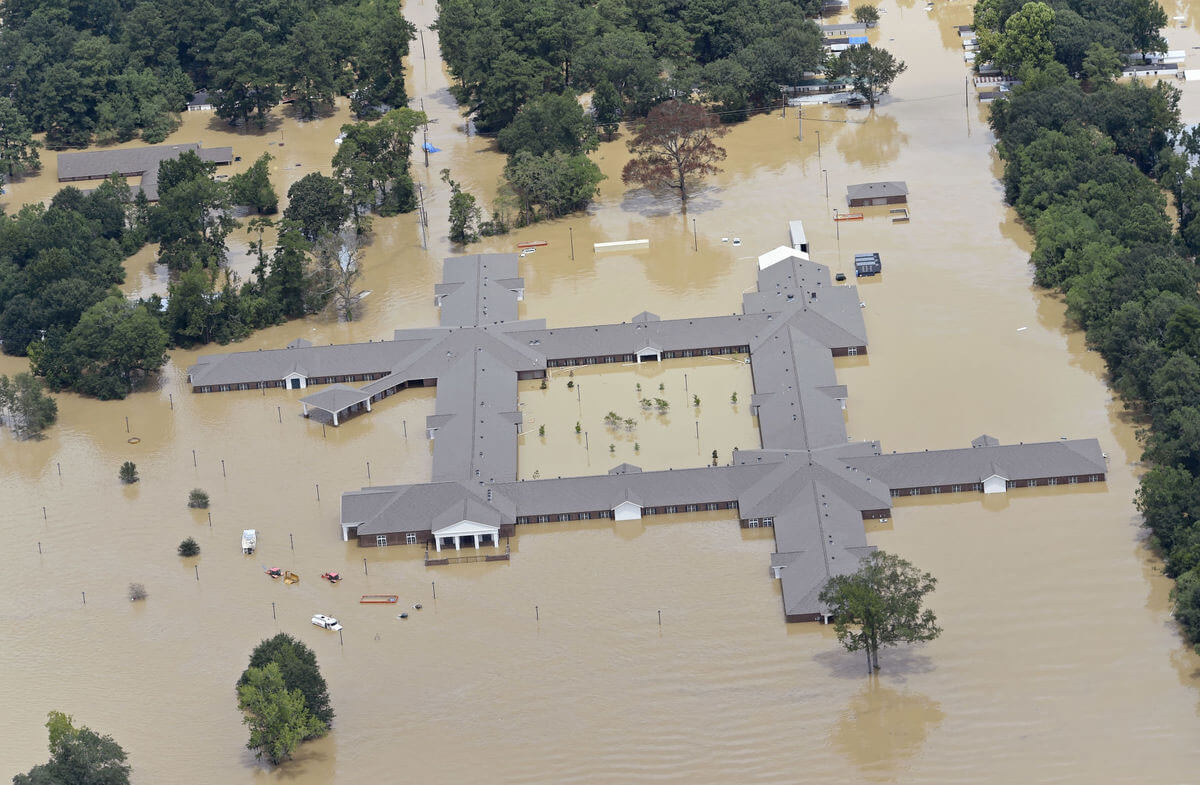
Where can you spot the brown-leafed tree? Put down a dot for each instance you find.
(675, 146)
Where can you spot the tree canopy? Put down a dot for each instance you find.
(880, 605)
(871, 70)
(298, 668)
(276, 715)
(1078, 168)
(25, 406)
(78, 756)
(115, 70)
(504, 55)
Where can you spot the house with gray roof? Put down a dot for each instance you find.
(808, 482)
(134, 162)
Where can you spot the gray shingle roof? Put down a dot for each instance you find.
(133, 162)
(807, 478)
(877, 190)
(975, 464)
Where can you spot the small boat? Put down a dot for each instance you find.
(384, 599)
(290, 577)
(533, 244)
(402, 616)
(326, 622)
(332, 577)
(249, 540)
(848, 217)
(274, 572)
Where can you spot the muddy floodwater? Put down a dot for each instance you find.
(1059, 662)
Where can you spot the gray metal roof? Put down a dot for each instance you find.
(877, 190)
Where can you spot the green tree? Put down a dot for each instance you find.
(18, 149)
(309, 69)
(465, 214)
(247, 74)
(549, 123)
(1146, 18)
(871, 70)
(867, 14)
(880, 605)
(189, 547)
(253, 188)
(128, 473)
(674, 146)
(298, 667)
(1027, 42)
(198, 498)
(115, 344)
(606, 108)
(550, 185)
(277, 716)
(78, 756)
(25, 405)
(317, 205)
(1102, 64)
(192, 218)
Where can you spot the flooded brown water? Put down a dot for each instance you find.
(1059, 662)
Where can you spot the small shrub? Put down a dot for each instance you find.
(189, 547)
(129, 473)
(137, 592)
(661, 387)
(541, 430)
(733, 398)
(630, 423)
(570, 384)
(612, 448)
(662, 405)
(545, 384)
(578, 427)
(636, 447)
(639, 388)
(696, 400)
(647, 403)
(198, 499)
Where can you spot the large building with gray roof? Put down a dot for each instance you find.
(808, 483)
(134, 162)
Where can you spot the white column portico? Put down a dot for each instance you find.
(471, 532)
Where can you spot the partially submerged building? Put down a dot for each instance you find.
(134, 162)
(868, 194)
(808, 483)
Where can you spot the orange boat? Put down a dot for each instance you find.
(383, 599)
(848, 217)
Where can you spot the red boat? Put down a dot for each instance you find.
(332, 577)
(532, 244)
(275, 572)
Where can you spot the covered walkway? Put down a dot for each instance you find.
(336, 400)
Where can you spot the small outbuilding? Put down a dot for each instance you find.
(867, 194)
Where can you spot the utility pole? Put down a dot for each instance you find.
(421, 213)
(421, 32)
(818, 148)
(800, 123)
(571, 231)
(425, 134)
